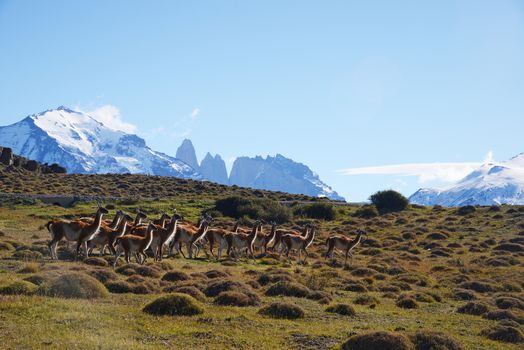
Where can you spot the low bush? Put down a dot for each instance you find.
(429, 340)
(75, 285)
(366, 212)
(289, 289)
(406, 302)
(176, 304)
(473, 308)
(192, 291)
(465, 210)
(366, 299)
(96, 261)
(173, 276)
(504, 333)
(232, 298)
(103, 275)
(282, 310)
(341, 309)
(378, 341)
(322, 211)
(18, 288)
(389, 201)
(30, 268)
(254, 208)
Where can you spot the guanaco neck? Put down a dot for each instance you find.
(98, 220)
(121, 228)
(235, 227)
(273, 232)
(138, 219)
(171, 229)
(116, 221)
(149, 236)
(310, 237)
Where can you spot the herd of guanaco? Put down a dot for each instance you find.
(132, 237)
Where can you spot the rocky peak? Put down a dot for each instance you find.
(186, 153)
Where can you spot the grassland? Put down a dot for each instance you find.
(432, 256)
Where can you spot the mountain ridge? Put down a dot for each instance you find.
(492, 183)
(82, 144)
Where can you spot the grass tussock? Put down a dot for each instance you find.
(176, 304)
(282, 310)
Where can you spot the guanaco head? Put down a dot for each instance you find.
(362, 235)
(102, 210)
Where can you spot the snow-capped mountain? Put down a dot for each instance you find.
(491, 183)
(279, 174)
(82, 144)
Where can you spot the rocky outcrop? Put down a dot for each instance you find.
(214, 169)
(186, 153)
(11, 161)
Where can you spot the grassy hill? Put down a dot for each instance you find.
(421, 270)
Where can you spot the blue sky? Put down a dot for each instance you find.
(333, 84)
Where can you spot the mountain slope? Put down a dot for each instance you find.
(83, 145)
(500, 183)
(279, 174)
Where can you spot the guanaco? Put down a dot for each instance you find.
(298, 243)
(344, 244)
(164, 236)
(238, 242)
(79, 231)
(132, 244)
(189, 235)
(107, 236)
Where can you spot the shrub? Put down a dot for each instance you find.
(465, 210)
(174, 276)
(509, 303)
(477, 286)
(38, 279)
(366, 212)
(428, 340)
(378, 341)
(216, 287)
(6, 246)
(282, 310)
(103, 275)
(341, 309)
(95, 261)
(257, 208)
(232, 298)
(323, 211)
(273, 278)
(503, 315)
(27, 255)
(365, 299)
(75, 285)
(473, 308)
(216, 274)
(30, 268)
(389, 201)
(504, 333)
(463, 294)
(289, 289)
(18, 288)
(174, 305)
(192, 291)
(355, 286)
(406, 302)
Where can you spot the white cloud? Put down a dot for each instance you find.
(195, 113)
(446, 172)
(110, 116)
